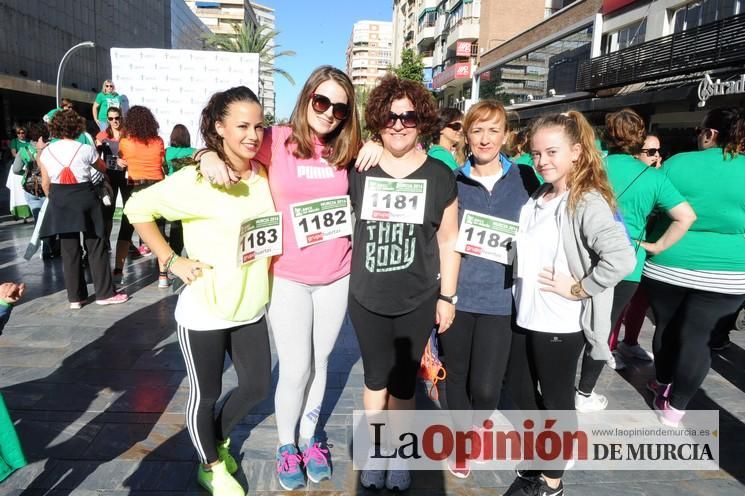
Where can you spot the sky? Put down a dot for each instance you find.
(318, 31)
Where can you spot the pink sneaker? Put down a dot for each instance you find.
(144, 250)
(669, 416)
(659, 389)
(114, 300)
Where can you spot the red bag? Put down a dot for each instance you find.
(67, 176)
(431, 368)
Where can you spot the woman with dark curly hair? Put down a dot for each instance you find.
(639, 189)
(141, 153)
(447, 139)
(404, 263)
(68, 170)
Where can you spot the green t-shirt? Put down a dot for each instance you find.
(640, 189)
(83, 138)
(18, 145)
(443, 154)
(527, 159)
(106, 100)
(175, 153)
(715, 188)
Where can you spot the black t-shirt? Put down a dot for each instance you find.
(396, 266)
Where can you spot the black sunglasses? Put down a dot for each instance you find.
(408, 119)
(114, 119)
(455, 126)
(322, 103)
(651, 152)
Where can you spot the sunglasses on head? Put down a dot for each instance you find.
(114, 119)
(322, 103)
(651, 152)
(455, 126)
(408, 119)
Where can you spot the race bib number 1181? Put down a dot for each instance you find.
(394, 200)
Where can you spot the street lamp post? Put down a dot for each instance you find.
(63, 63)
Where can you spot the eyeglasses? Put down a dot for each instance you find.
(108, 86)
(322, 103)
(455, 126)
(114, 119)
(651, 152)
(20, 132)
(408, 119)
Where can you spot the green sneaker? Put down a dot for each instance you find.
(223, 453)
(218, 481)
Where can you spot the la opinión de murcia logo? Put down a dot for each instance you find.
(708, 88)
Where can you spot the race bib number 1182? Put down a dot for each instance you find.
(320, 220)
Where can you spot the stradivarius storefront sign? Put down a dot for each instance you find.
(708, 88)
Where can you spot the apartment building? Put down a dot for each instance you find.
(369, 52)
(265, 16)
(221, 16)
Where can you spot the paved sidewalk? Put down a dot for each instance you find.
(98, 397)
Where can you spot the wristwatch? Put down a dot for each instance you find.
(450, 299)
(576, 290)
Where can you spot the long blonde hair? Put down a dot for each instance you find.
(343, 143)
(588, 173)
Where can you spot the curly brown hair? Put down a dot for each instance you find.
(66, 124)
(392, 88)
(625, 132)
(140, 124)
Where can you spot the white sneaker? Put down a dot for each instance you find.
(593, 403)
(616, 362)
(740, 322)
(635, 351)
(397, 480)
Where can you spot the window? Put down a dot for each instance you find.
(702, 12)
(630, 35)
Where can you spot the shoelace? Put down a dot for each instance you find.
(315, 453)
(289, 462)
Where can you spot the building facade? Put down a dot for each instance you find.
(369, 52)
(266, 17)
(32, 43)
(221, 17)
(187, 30)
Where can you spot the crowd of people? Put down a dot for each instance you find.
(603, 230)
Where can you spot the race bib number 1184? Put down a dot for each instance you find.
(487, 237)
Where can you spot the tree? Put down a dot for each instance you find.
(250, 39)
(361, 95)
(269, 119)
(411, 66)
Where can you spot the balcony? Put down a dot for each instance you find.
(459, 70)
(466, 28)
(426, 35)
(718, 44)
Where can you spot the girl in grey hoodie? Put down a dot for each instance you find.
(571, 252)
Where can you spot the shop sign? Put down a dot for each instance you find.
(463, 49)
(708, 88)
(460, 70)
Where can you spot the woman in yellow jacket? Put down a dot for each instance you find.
(221, 309)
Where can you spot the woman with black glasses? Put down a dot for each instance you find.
(651, 153)
(307, 166)
(448, 137)
(639, 190)
(404, 263)
(699, 283)
(107, 143)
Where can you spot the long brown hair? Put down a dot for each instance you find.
(625, 132)
(588, 173)
(343, 143)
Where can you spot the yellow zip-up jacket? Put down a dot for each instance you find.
(211, 219)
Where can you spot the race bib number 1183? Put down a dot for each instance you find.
(260, 238)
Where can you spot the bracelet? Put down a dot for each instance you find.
(171, 260)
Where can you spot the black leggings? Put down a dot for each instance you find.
(686, 319)
(118, 181)
(392, 345)
(204, 354)
(591, 369)
(475, 351)
(546, 360)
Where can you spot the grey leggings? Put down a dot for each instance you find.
(305, 321)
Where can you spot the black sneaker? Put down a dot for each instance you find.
(535, 487)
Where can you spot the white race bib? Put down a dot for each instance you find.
(394, 200)
(320, 220)
(487, 237)
(260, 237)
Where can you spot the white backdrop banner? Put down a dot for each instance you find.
(176, 84)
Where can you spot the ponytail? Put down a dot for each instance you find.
(588, 173)
(736, 142)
